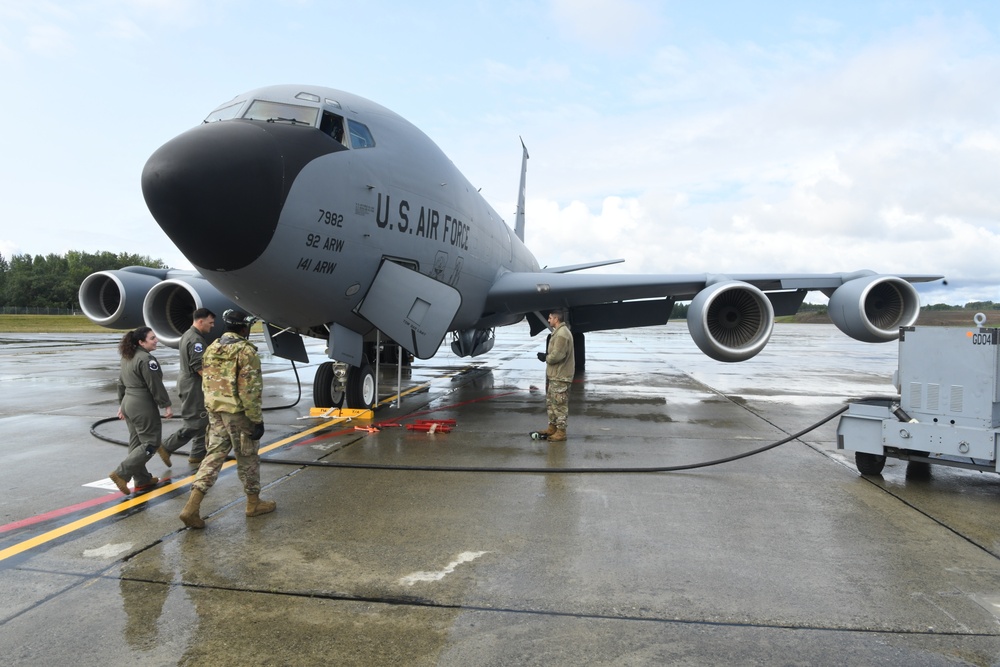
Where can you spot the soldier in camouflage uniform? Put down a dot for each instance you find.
(560, 365)
(232, 383)
(140, 395)
(192, 346)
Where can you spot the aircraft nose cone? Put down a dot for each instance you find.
(218, 189)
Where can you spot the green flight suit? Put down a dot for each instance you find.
(141, 394)
(192, 347)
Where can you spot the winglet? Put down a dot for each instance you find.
(519, 218)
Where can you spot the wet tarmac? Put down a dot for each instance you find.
(788, 557)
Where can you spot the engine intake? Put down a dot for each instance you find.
(169, 305)
(872, 309)
(731, 320)
(114, 298)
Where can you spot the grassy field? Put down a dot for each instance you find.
(49, 324)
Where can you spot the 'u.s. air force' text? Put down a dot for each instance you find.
(453, 230)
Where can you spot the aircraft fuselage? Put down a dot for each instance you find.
(292, 220)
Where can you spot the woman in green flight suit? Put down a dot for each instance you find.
(141, 394)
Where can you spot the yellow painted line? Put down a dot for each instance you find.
(159, 491)
(419, 387)
(144, 498)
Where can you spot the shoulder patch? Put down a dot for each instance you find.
(199, 348)
(153, 366)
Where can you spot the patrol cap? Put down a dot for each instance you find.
(232, 316)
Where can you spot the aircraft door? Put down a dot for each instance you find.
(412, 309)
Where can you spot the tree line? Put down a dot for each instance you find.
(53, 281)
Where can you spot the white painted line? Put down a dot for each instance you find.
(105, 484)
(464, 557)
(107, 551)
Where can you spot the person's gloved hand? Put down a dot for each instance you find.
(541, 356)
(258, 431)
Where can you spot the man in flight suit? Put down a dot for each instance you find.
(192, 346)
(233, 385)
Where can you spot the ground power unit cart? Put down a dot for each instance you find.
(948, 408)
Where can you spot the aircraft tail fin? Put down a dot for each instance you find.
(519, 218)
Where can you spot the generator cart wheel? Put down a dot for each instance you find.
(869, 464)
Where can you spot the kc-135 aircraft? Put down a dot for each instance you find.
(327, 215)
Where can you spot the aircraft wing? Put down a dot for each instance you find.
(730, 316)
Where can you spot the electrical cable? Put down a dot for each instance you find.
(589, 471)
(532, 470)
(298, 385)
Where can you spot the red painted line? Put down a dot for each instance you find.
(54, 514)
(87, 504)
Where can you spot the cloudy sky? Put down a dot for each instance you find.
(683, 137)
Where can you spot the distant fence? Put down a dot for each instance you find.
(23, 310)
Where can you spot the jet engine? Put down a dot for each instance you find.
(113, 299)
(472, 342)
(873, 308)
(168, 307)
(730, 320)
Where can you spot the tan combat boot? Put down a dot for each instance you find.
(256, 506)
(164, 454)
(549, 431)
(558, 436)
(190, 515)
(120, 482)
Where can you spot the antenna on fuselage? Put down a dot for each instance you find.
(519, 218)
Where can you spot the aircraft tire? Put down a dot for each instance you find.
(324, 393)
(361, 387)
(579, 353)
(869, 464)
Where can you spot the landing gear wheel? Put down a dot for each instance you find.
(869, 464)
(325, 392)
(361, 387)
(579, 353)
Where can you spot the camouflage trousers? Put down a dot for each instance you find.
(557, 402)
(230, 432)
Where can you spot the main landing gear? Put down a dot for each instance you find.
(340, 385)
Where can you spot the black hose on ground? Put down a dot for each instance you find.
(381, 466)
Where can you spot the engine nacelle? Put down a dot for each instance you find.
(730, 321)
(472, 342)
(114, 298)
(873, 308)
(169, 305)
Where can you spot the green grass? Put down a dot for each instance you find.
(61, 324)
(49, 324)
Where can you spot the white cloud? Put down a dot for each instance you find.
(49, 40)
(124, 28)
(609, 26)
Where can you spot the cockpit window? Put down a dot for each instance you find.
(360, 136)
(227, 112)
(333, 125)
(278, 112)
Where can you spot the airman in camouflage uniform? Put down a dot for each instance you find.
(233, 385)
(560, 364)
(192, 347)
(140, 394)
